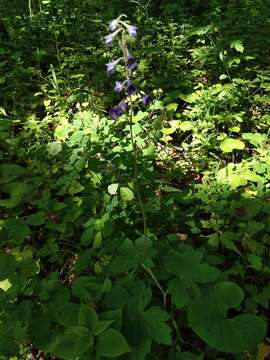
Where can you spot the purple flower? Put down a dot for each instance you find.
(109, 39)
(111, 66)
(124, 106)
(119, 85)
(146, 99)
(131, 62)
(132, 30)
(113, 24)
(131, 89)
(115, 112)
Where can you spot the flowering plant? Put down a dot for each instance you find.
(120, 29)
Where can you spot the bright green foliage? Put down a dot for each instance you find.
(83, 276)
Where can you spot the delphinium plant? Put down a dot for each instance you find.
(122, 31)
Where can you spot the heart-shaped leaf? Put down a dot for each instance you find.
(207, 316)
(229, 144)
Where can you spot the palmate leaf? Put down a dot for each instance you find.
(207, 316)
(111, 343)
(155, 319)
(188, 266)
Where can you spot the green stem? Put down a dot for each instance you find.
(30, 8)
(136, 178)
(135, 151)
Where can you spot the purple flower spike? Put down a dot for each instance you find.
(132, 30)
(131, 63)
(146, 99)
(111, 66)
(119, 85)
(131, 89)
(115, 112)
(109, 39)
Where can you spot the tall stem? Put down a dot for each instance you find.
(134, 149)
(30, 8)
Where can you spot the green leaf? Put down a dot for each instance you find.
(17, 229)
(255, 261)
(10, 172)
(155, 319)
(68, 314)
(87, 236)
(16, 191)
(126, 194)
(35, 219)
(178, 290)
(207, 316)
(102, 326)
(8, 265)
(229, 144)
(87, 317)
(54, 148)
(189, 268)
(74, 342)
(186, 125)
(112, 189)
(111, 343)
(237, 45)
(256, 139)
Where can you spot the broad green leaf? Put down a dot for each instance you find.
(236, 180)
(111, 343)
(101, 326)
(255, 261)
(126, 194)
(54, 148)
(229, 144)
(172, 107)
(188, 267)
(155, 319)
(35, 219)
(10, 172)
(87, 236)
(255, 139)
(17, 230)
(68, 314)
(87, 317)
(8, 265)
(179, 293)
(75, 187)
(237, 45)
(186, 125)
(16, 191)
(74, 342)
(207, 316)
(112, 189)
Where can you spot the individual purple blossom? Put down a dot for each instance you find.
(115, 112)
(119, 85)
(146, 99)
(111, 66)
(124, 106)
(131, 62)
(131, 89)
(109, 39)
(113, 24)
(132, 30)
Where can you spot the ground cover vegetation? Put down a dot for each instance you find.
(134, 179)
